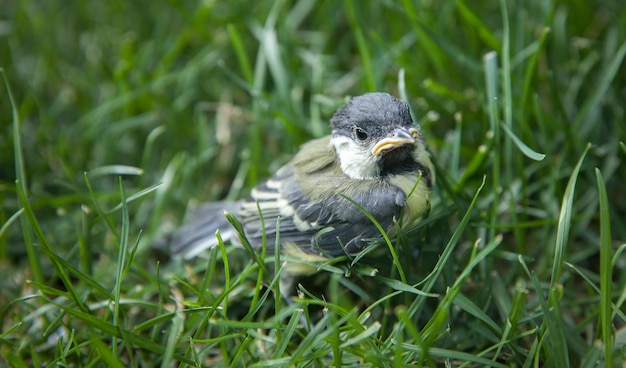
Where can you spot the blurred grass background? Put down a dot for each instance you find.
(196, 101)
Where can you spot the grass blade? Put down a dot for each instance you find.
(36, 228)
(108, 358)
(227, 283)
(287, 334)
(475, 21)
(172, 338)
(552, 319)
(20, 173)
(490, 61)
(467, 305)
(532, 65)
(400, 286)
(527, 151)
(565, 218)
(122, 251)
(606, 271)
(242, 56)
(115, 170)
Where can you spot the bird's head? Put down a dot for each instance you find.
(374, 134)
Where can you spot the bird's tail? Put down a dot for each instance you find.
(198, 234)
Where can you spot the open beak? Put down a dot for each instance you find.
(398, 138)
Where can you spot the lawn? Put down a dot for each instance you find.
(118, 118)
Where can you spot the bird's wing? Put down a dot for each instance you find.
(320, 220)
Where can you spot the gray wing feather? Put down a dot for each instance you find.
(199, 233)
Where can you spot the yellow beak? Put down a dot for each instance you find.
(400, 137)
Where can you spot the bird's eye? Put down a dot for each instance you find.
(360, 134)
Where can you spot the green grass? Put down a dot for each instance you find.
(118, 117)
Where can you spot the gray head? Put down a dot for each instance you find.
(372, 133)
(375, 113)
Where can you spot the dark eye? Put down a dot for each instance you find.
(360, 134)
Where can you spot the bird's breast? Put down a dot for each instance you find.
(416, 203)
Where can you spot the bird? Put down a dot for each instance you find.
(375, 162)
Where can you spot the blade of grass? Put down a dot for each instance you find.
(606, 271)
(287, 334)
(278, 270)
(226, 264)
(108, 358)
(135, 196)
(9, 221)
(552, 321)
(515, 312)
(490, 61)
(173, 332)
(20, 167)
(271, 49)
(20, 173)
(258, 303)
(361, 336)
(242, 55)
(244, 241)
(60, 271)
(475, 21)
(147, 152)
(506, 69)
(468, 306)
(456, 146)
(565, 218)
(122, 251)
(99, 210)
(114, 170)
(527, 151)
(532, 66)
(260, 275)
(479, 159)
(400, 286)
(243, 345)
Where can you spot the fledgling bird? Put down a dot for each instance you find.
(376, 156)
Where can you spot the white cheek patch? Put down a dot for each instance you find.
(355, 161)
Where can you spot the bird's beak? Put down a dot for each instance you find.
(396, 139)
